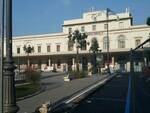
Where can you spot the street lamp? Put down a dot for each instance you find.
(1, 52)
(9, 96)
(107, 28)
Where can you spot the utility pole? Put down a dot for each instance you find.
(107, 31)
(9, 95)
(107, 20)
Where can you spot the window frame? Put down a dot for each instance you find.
(58, 47)
(121, 42)
(105, 43)
(94, 27)
(49, 50)
(39, 48)
(136, 44)
(18, 52)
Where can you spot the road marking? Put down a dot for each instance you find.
(128, 99)
(108, 99)
(90, 88)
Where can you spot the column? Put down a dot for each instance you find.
(89, 69)
(73, 64)
(145, 61)
(128, 66)
(113, 61)
(49, 62)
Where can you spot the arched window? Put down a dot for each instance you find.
(137, 42)
(70, 46)
(121, 41)
(105, 42)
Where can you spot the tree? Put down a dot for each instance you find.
(95, 49)
(80, 40)
(148, 21)
(28, 49)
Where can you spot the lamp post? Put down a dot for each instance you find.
(108, 41)
(1, 52)
(107, 20)
(9, 96)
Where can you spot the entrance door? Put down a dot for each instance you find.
(84, 63)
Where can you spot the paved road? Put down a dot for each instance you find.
(123, 94)
(111, 98)
(140, 95)
(56, 89)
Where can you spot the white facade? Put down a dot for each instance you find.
(122, 35)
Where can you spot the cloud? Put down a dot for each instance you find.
(66, 2)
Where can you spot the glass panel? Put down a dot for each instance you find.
(18, 50)
(39, 49)
(105, 43)
(93, 27)
(137, 42)
(48, 48)
(58, 48)
(70, 46)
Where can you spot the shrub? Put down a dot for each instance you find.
(76, 74)
(25, 90)
(33, 76)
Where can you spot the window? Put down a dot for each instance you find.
(137, 42)
(93, 27)
(70, 46)
(39, 49)
(121, 41)
(82, 29)
(94, 18)
(70, 30)
(121, 25)
(18, 50)
(105, 42)
(58, 48)
(48, 48)
(105, 26)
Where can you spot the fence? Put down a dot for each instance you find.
(20, 76)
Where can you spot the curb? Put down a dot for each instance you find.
(71, 101)
(31, 95)
(37, 92)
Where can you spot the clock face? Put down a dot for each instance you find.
(94, 17)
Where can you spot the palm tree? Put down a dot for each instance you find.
(95, 49)
(80, 40)
(28, 49)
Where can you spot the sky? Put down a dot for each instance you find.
(32, 17)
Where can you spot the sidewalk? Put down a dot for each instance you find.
(56, 94)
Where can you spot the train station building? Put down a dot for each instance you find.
(53, 50)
